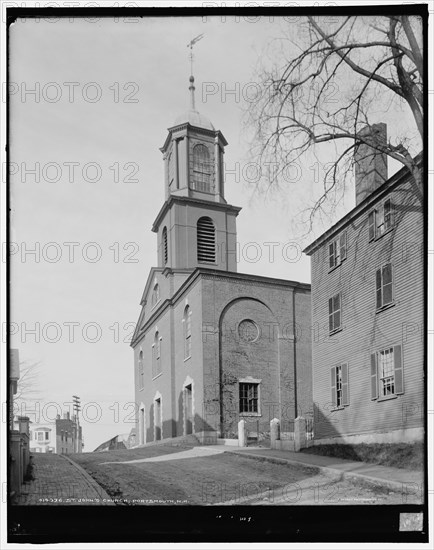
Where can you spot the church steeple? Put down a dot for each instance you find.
(193, 155)
(196, 226)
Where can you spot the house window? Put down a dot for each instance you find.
(201, 169)
(338, 250)
(165, 248)
(249, 397)
(381, 220)
(384, 286)
(387, 375)
(187, 332)
(40, 436)
(61, 435)
(141, 371)
(339, 385)
(155, 294)
(205, 240)
(156, 359)
(335, 313)
(47, 436)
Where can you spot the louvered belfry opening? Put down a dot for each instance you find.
(205, 240)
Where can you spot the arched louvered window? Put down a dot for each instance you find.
(187, 332)
(201, 169)
(155, 294)
(205, 240)
(165, 249)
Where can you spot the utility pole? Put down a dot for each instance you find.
(77, 408)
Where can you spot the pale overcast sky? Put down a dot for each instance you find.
(146, 61)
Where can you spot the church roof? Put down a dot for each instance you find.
(194, 118)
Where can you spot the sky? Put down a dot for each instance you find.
(87, 183)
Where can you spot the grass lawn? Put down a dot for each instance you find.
(194, 481)
(409, 456)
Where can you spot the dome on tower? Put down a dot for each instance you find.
(194, 118)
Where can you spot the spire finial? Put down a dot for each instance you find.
(191, 87)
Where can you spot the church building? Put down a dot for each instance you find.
(211, 345)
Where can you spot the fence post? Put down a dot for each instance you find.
(274, 432)
(242, 433)
(300, 433)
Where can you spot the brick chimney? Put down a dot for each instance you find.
(370, 164)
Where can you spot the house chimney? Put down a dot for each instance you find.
(370, 164)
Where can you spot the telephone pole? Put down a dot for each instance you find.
(77, 407)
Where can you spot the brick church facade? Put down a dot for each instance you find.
(211, 345)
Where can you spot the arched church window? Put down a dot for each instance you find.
(187, 332)
(165, 249)
(201, 169)
(155, 294)
(205, 240)
(141, 371)
(156, 355)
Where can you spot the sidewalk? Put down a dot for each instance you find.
(396, 479)
(58, 480)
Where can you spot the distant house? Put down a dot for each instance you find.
(121, 441)
(60, 436)
(368, 311)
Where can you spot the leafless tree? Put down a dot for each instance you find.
(28, 388)
(375, 63)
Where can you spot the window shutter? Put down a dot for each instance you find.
(374, 379)
(337, 311)
(343, 245)
(371, 225)
(333, 385)
(345, 385)
(378, 287)
(399, 371)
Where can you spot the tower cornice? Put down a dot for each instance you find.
(173, 199)
(187, 126)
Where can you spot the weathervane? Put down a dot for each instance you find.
(191, 88)
(190, 45)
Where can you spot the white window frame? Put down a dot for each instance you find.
(392, 284)
(337, 250)
(340, 387)
(376, 220)
(381, 380)
(257, 383)
(333, 329)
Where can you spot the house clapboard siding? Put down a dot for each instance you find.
(365, 329)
